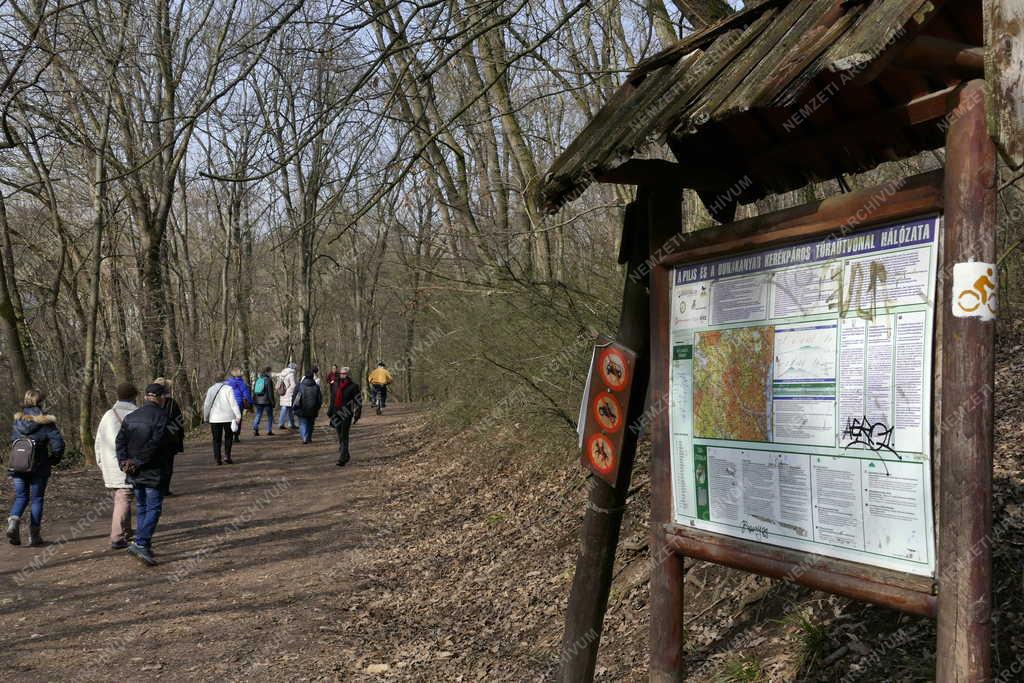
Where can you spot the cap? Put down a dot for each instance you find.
(344, 370)
(155, 390)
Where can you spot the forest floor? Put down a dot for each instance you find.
(431, 557)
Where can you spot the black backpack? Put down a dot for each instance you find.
(23, 455)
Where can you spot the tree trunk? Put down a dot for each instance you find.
(20, 374)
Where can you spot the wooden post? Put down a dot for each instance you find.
(666, 601)
(591, 584)
(1004, 72)
(965, 492)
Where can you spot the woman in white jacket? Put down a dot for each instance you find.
(286, 390)
(221, 410)
(106, 458)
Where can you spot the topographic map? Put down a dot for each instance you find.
(732, 383)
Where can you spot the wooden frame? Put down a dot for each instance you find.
(919, 196)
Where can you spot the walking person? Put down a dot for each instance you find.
(221, 410)
(333, 376)
(143, 448)
(242, 395)
(307, 403)
(106, 457)
(175, 426)
(41, 446)
(263, 402)
(345, 409)
(286, 390)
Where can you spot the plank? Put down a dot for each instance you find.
(738, 20)
(1004, 72)
(778, 58)
(857, 581)
(704, 108)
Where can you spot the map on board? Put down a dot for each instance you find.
(732, 383)
(800, 395)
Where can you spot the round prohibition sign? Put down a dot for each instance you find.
(614, 369)
(607, 412)
(601, 453)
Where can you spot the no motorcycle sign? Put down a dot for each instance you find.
(603, 412)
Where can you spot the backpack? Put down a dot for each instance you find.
(23, 455)
(281, 388)
(260, 388)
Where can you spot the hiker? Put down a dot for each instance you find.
(333, 376)
(221, 410)
(263, 402)
(286, 390)
(175, 425)
(345, 409)
(144, 445)
(242, 395)
(379, 380)
(106, 458)
(31, 471)
(306, 404)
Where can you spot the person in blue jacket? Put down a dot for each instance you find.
(242, 394)
(32, 423)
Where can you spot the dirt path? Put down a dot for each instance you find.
(259, 562)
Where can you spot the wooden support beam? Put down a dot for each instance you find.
(661, 172)
(591, 584)
(666, 589)
(928, 53)
(1004, 73)
(967, 377)
(857, 581)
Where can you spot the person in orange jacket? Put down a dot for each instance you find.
(379, 380)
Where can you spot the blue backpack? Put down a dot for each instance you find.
(260, 388)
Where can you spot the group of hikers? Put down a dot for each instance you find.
(135, 445)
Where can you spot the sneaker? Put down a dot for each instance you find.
(255, 433)
(143, 554)
(270, 433)
(119, 545)
(229, 461)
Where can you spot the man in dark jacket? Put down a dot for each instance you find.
(144, 445)
(175, 427)
(345, 409)
(306, 405)
(263, 399)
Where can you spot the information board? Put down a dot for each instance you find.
(800, 395)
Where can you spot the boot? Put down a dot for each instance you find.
(35, 538)
(14, 530)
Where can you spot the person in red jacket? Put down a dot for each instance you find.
(345, 409)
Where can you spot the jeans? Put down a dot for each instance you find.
(382, 390)
(150, 503)
(221, 435)
(306, 428)
(286, 411)
(121, 522)
(260, 411)
(28, 486)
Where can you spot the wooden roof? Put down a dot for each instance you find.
(781, 94)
